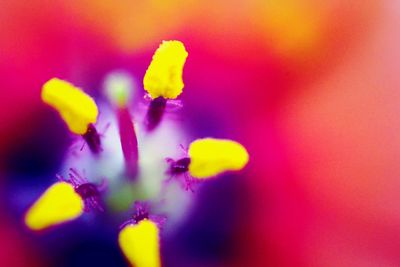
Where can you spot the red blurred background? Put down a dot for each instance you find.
(309, 87)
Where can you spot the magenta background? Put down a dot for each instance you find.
(318, 113)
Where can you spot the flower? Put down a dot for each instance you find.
(67, 199)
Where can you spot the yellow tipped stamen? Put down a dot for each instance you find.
(210, 157)
(164, 75)
(140, 244)
(76, 108)
(59, 203)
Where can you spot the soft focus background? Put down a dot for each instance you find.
(309, 87)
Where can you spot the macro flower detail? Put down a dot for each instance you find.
(141, 177)
(118, 89)
(139, 237)
(140, 243)
(76, 108)
(63, 201)
(209, 157)
(163, 79)
(58, 204)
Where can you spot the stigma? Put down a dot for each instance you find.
(119, 88)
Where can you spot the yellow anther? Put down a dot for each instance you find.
(164, 75)
(59, 203)
(76, 108)
(140, 244)
(210, 157)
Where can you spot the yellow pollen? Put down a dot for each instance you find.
(164, 75)
(210, 157)
(77, 109)
(59, 203)
(140, 244)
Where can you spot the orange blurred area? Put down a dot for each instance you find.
(133, 25)
(295, 30)
(303, 37)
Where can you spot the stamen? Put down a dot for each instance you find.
(207, 158)
(164, 75)
(89, 192)
(210, 157)
(163, 79)
(180, 166)
(139, 237)
(142, 212)
(92, 139)
(58, 204)
(180, 169)
(155, 112)
(67, 199)
(77, 109)
(140, 243)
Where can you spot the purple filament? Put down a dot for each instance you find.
(180, 166)
(155, 112)
(90, 195)
(92, 139)
(129, 141)
(142, 212)
(87, 190)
